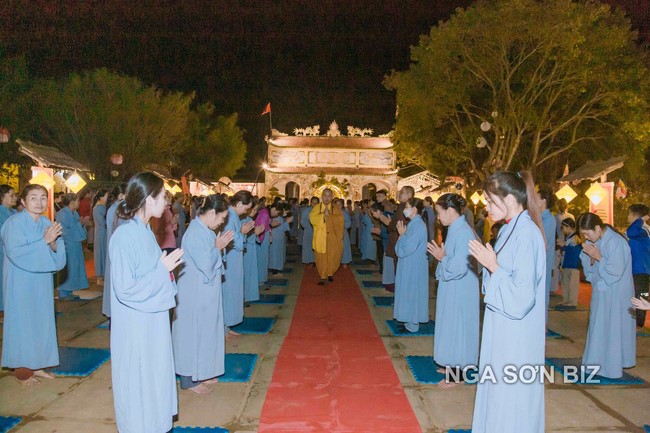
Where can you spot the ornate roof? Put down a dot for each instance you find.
(343, 142)
(331, 170)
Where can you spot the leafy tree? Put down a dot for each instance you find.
(534, 83)
(92, 115)
(215, 145)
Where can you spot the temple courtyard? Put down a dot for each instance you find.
(80, 399)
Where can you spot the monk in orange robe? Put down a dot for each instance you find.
(328, 224)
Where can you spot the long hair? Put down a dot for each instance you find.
(454, 201)
(140, 186)
(212, 202)
(521, 186)
(100, 193)
(114, 194)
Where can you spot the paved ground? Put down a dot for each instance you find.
(85, 404)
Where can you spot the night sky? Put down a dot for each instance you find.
(315, 61)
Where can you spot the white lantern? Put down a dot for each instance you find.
(485, 126)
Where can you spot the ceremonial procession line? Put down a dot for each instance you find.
(331, 374)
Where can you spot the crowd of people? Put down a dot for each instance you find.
(152, 263)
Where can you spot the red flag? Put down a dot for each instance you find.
(267, 109)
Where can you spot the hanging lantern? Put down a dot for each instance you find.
(485, 126)
(117, 159)
(567, 193)
(476, 197)
(596, 193)
(4, 135)
(481, 142)
(42, 179)
(115, 173)
(75, 183)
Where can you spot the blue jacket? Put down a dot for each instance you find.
(571, 252)
(639, 238)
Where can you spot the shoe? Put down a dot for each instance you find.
(330, 279)
(321, 283)
(247, 304)
(401, 329)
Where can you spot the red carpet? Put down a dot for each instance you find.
(333, 373)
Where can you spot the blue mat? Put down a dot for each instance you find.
(103, 325)
(642, 333)
(199, 430)
(362, 263)
(239, 367)
(372, 284)
(424, 370)
(559, 363)
(80, 361)
(552, 334)
(279, 282)
(383, 301)
(459, 431)
(365, 271)
(270, 299)
(8, 422)
(425, 329)
(254, 325)
(646, 428)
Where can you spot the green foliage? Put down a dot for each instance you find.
(563, 80)
(273, 192)
(322, 180)
(92, 115)
(215, 146)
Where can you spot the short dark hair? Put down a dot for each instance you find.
(568, 222)
(638, 209)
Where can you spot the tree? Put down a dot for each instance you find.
(215, 145)
(92, 115)
(561, 79)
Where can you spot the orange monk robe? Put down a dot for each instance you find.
(328, 238)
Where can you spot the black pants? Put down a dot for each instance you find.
(641, 286)
(380, 256)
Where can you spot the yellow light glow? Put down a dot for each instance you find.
(176, 190)
(596, 193)
(567, 193)
(43, 179)
(168, 187)
(75, 183)
(476, 197)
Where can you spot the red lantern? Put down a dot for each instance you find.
(4, 135)
(117, 159)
